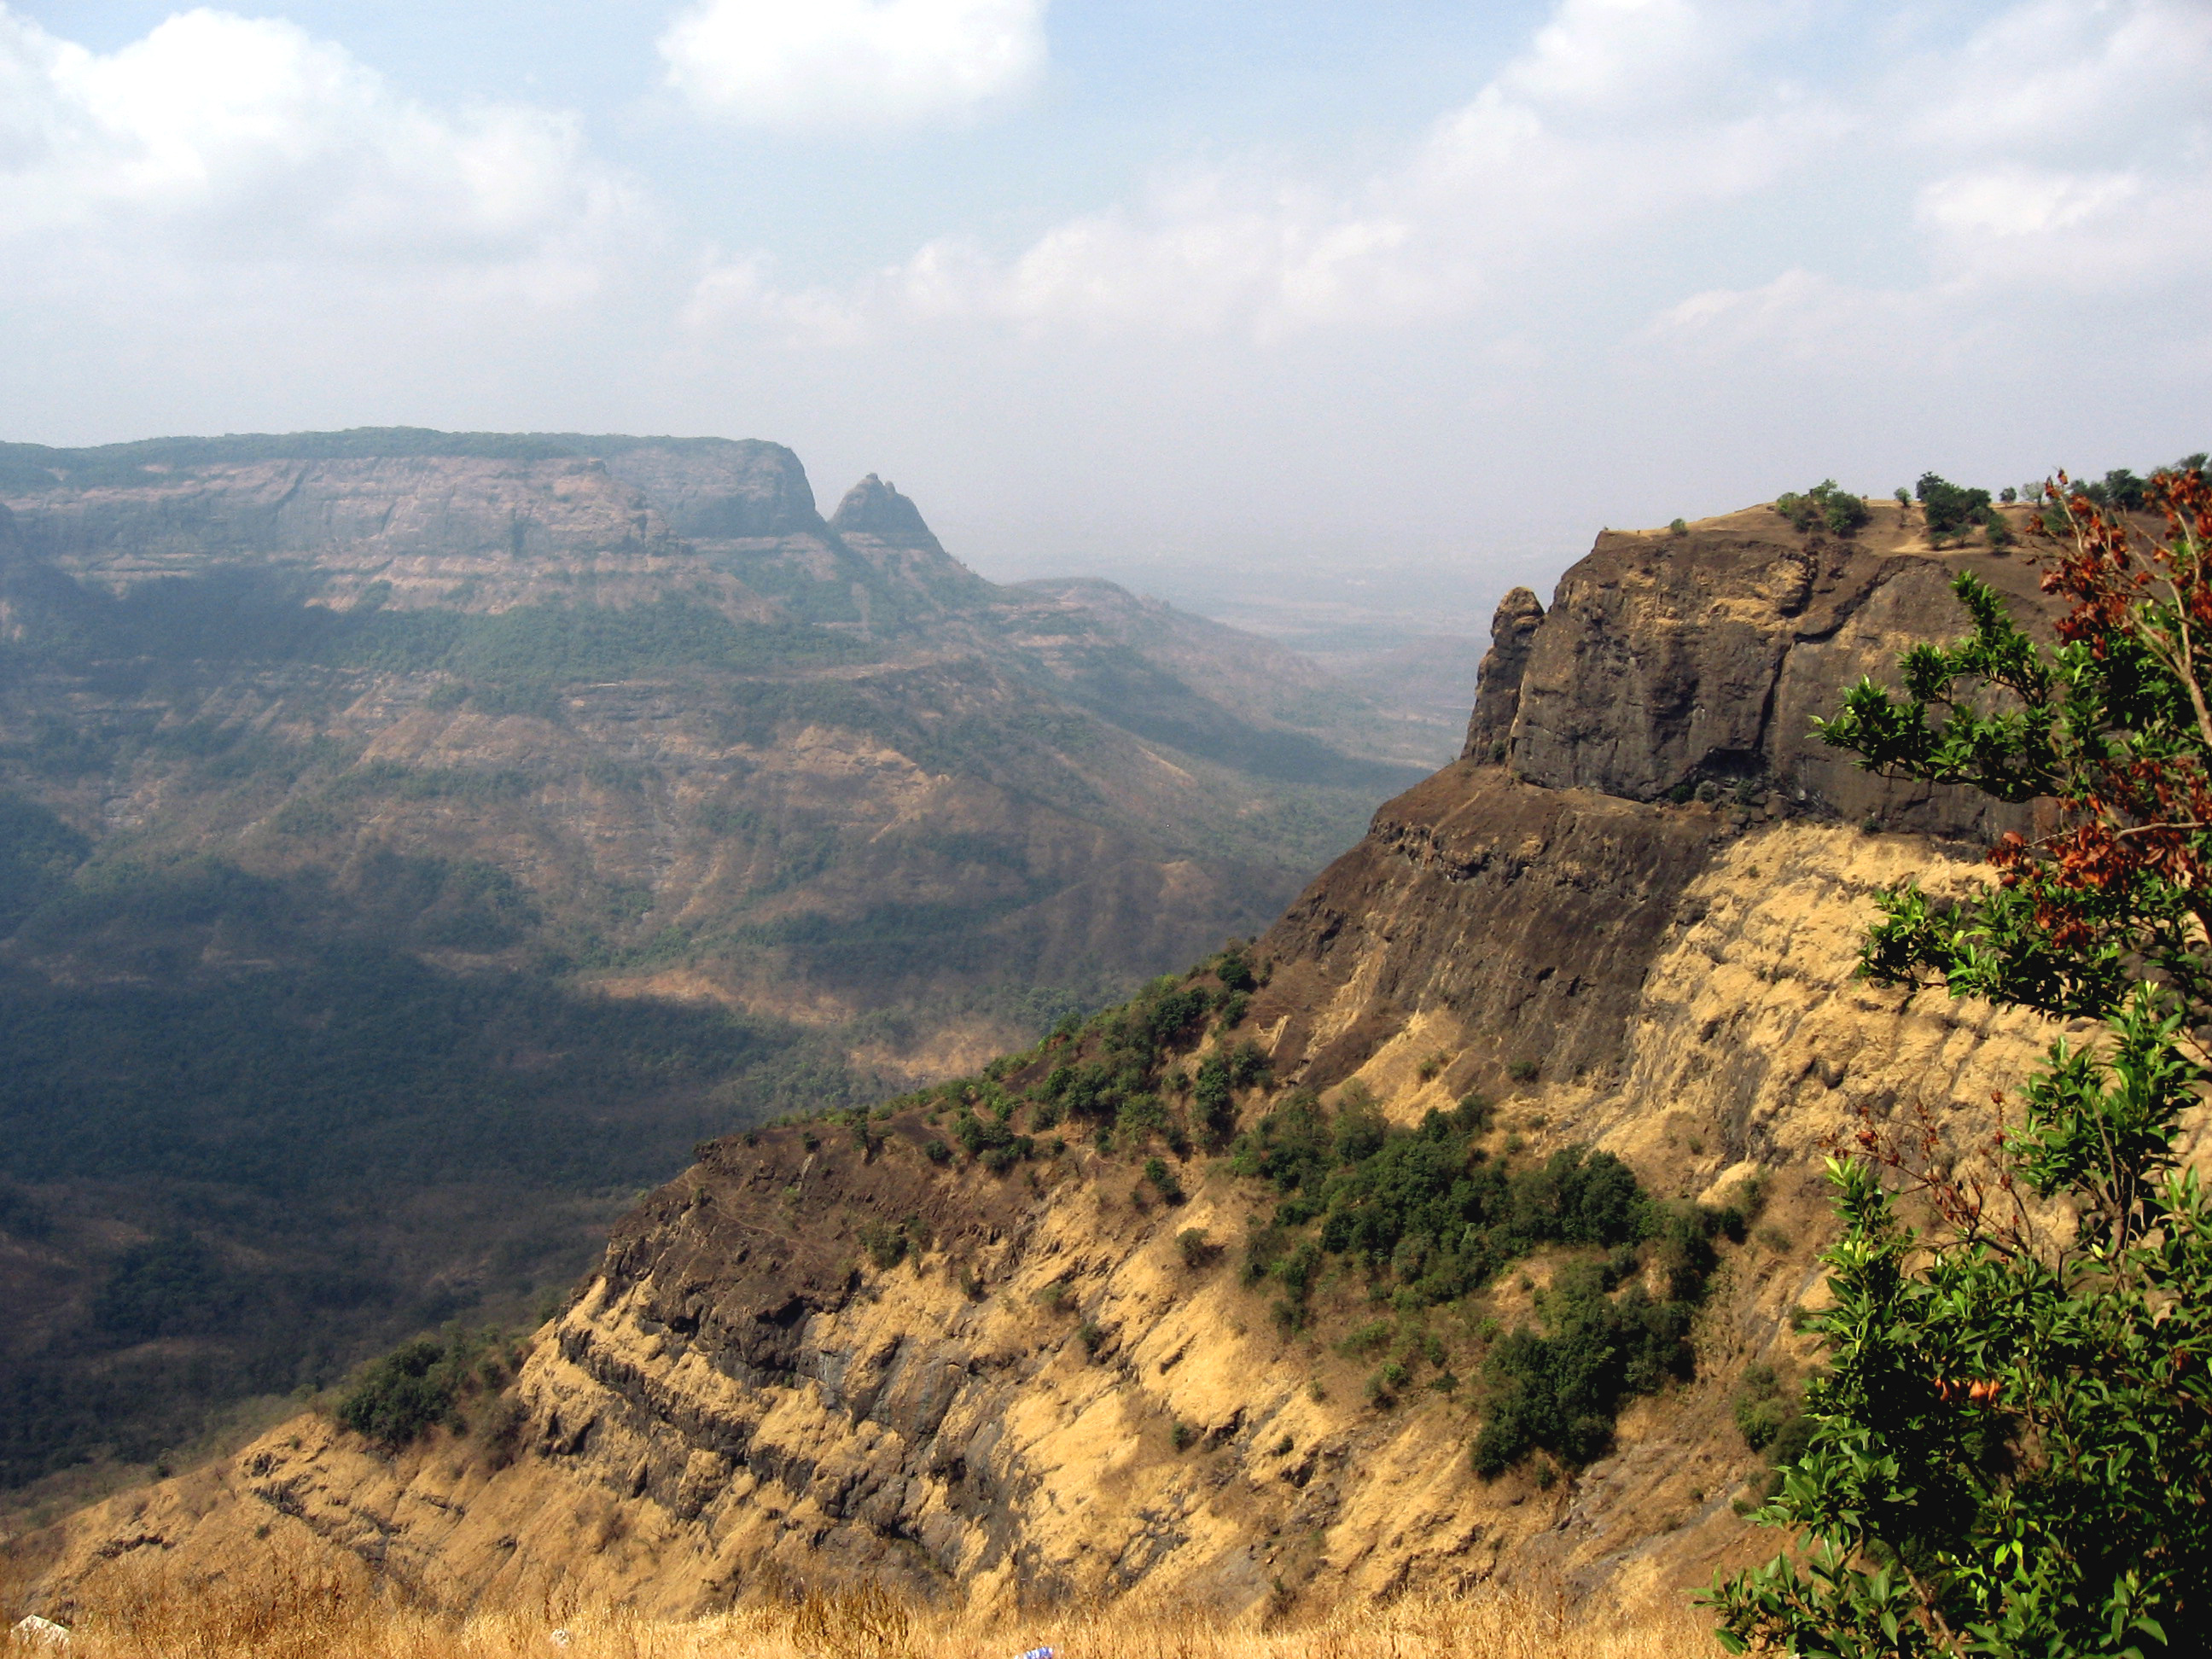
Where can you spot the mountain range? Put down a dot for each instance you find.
(412, 842)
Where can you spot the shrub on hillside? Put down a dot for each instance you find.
(1949, 509)
(398, 1398)
(1427, 1215)
(2011, 1451)
(2118, 491)
(1560, 1391)
(420, 1385)
(1824, 505)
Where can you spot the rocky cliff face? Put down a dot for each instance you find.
(713, 489)
(470, 533)
(1049, 1394)
(1666, 661)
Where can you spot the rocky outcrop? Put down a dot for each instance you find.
(873, 507)
(1669, 661)
(1050, 1396)
(903, 557)
(1498, 694)
(715, 488)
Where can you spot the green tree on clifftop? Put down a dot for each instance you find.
(2011, 1451)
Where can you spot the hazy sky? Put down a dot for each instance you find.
(1412, 292)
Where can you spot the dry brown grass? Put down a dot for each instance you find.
(316, 1612)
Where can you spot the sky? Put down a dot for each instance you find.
(1386, 302)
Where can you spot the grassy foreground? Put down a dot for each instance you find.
(292, 1612)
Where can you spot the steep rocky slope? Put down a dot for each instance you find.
(1047, 1390)
(411, 844)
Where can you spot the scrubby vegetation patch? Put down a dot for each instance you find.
(425, 1384)
(1425, 1219)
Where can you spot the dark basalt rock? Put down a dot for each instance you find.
(1669, 661)
(873, 507)
(1498, 699)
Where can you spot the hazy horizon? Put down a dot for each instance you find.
(1329, 304)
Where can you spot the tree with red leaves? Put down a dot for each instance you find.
(2011, 1451)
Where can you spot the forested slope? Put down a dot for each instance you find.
(411, 844)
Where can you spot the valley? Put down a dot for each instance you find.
(412, 843)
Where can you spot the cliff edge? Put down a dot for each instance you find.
(1628, 916)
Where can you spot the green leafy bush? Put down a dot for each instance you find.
(1428, 1212)
(885, 1245)
(1824, 505)
(990, 1140)
(1212, 1094)
(1762, 1408)
(2011, 1451)
(419, 1386)
(1949, 509)
(2119, 491)
(1560, 1391)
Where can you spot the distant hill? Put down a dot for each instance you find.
(411, 843)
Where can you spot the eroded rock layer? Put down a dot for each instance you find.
(1052, 1394)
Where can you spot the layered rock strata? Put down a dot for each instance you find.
(1050, 1397)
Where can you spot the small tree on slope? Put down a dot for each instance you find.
(2012, 1447)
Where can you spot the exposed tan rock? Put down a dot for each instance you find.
(741, 1393)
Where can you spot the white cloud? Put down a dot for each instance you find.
(1618, 55)
(217, 139)
(2075, 152)
(1567, 147)
(2090, 232)
(1202, 254)
(817, 64)
(2056, 147)
(2055, 156)
(2016, 201)
(2054, 78)
(741, 291)
(1800, 318)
